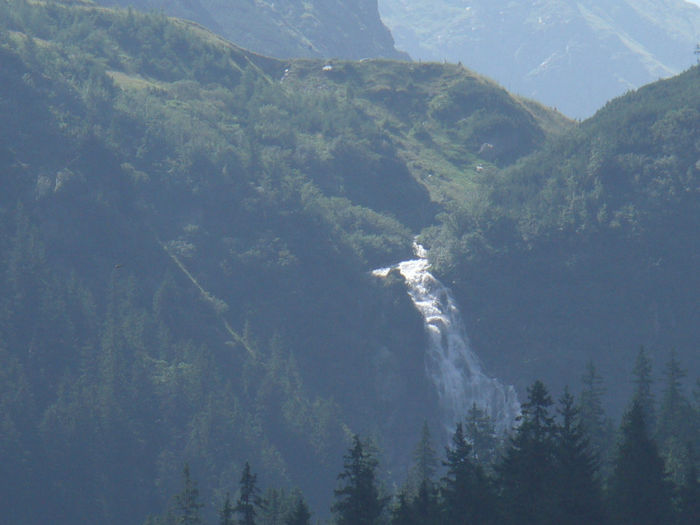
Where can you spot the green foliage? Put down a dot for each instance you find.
(226, 512)
(466, 490)
(188, 505)
(568, 485)
(639, 490)
(249, 501)
(163, 136)
(358, 500)
(300, 515)
(677, 427)
(526, 472)
(582, 226)
(186, 240)
(422, 508)
(591, 415)
(643, 394)
(579, 495)
(425, 463)
(688, 501)
(480, 432)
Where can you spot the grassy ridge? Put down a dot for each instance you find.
(285, 28)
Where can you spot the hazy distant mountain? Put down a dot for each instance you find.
(571, 55)
(285, 28)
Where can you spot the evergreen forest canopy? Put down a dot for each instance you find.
(187, 232)
(561, 464)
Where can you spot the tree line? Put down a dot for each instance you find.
(562, 464)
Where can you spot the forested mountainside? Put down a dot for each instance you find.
(590, 243)
(187, 237)
(188, 230)
(287, 28)
(560, 465)
(574, 56)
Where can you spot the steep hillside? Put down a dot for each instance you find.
(186, 237)
(574, 56)
(589, 247)
(316, 28)
(188, 232)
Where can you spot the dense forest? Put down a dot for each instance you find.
(562, 463)
(598, 226)
(187, 237)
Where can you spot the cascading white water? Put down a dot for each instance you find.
(450, 363)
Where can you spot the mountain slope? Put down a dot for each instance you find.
(286, 28)
(573, 56)
(590, 245)
(187, 231)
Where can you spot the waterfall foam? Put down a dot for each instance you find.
(451, 365)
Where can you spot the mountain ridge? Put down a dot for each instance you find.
(571, 56)
(287, 29)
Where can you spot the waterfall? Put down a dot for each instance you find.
(450, 363)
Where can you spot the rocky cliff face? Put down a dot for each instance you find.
(571, 55)
(285, 28)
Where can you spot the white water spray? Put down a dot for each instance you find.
(450, 363)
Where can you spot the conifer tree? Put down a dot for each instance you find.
(466, 490)
(643, 394)
(481, 435)
(425, 507)
(402, 513)
(696, 415)
(278, 506)
(226, 512)
(458, 483)
(578, 491)
(249, 500)
(689, 494)
(676, 418)
(421, 509)
(526, 473)
(358, 501)
(425, 463)
(418, 501)
(639, 493)
(187, 501)
(300, 515)
(677, 422)
(591, 415)
(426, 460)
